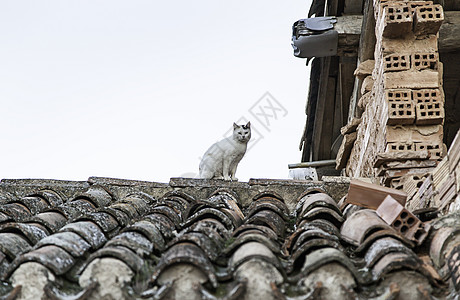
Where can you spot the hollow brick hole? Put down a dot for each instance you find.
(418, 234)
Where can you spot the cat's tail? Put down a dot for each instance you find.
(205, 172)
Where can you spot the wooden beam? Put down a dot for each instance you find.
(448, 4)
(366, 51)
(350, 29)
(349, 25)
(449, 40)
(320, 107)
(353, 7)
(347, 67)
(326, 137)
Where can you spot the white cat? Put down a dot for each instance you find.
(222, 158)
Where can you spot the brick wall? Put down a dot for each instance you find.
(403, 109)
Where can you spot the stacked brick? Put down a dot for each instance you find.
(403, 111)
(440, 189)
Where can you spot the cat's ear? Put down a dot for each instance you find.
(248, 125)
(235, 126)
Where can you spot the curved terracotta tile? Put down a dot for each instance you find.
(210, 226)
(439, 244)
(331, 281)
(178, 204)
(270, 219)
(96, 195)
(311, 201)
(324, 256)
(195, 207)
(383, 246)
(186, 253)
(128, 256)
(254, 250)
(104, 220)
(227, 198)
(252, 237)
(33, 232)
(378, 234)
(169, 212)
(78, 207)
(4, 218)
(361, 224)
(324, 213)
(309, 191)
(121, 218)
(251, 228)
(164, 223)
(395, 261)
(134, 241)
(69, 241)
(209, 212)
(149, 230)
(225, 193)
(301, 253)
(12, 245)
(88, 230)
(453, 263)
(234, 216)
(34, 204)
(268, 194)
(53, 257)
(16, 211)
(305, 233)
(126, 208)
(268, 204)
(177, 194)
(211, 248)
(53, 221)
(53, 198)
(140, 201)
(322, 224)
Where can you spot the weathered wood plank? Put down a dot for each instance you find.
(349, 25)
(351, 126)
(449, 40)
(326, 138)
(347, 68)
(449, 4)
(349, 29)
(366, 51)
(371, 195)
(345, 150)
(320, 107)
(353, 6)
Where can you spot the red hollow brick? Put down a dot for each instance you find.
(422, 61)
(401, 108)
(428, 19)
(434, 149)
(396, 62)
(397, 20)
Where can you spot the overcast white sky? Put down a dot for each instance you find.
(139, 89)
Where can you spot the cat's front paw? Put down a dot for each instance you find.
(228, 178)
(234, 179)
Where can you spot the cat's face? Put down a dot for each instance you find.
(242, 133)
